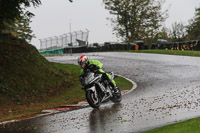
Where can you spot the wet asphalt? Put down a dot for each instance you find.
(168, 91)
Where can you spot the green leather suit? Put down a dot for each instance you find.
(100, 65)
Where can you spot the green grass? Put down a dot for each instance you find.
(26, 76)
(122, 83)
(189, 126)
(73, 94)
(169, 52)
(27, 80)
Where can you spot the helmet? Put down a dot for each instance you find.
(83, 61)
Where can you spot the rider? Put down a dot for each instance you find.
(96, 66)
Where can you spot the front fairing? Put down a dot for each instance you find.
(89, 78)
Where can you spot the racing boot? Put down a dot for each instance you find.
(114, 88)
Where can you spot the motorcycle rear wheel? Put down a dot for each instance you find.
(94, 101)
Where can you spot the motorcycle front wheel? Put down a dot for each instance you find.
(93, 100)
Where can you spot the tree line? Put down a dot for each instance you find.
(132, 20)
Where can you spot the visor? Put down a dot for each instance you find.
(82, 65)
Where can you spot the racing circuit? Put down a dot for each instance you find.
(168, 90)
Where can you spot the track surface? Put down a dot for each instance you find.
(168, 89)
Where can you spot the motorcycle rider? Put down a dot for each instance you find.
(96, 66)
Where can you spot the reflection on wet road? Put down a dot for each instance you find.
(83, 120)
(168, 92)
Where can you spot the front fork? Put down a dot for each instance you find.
(93, 89)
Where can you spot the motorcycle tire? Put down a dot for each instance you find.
(117, 97)
(92, 100)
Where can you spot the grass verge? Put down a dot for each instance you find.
(169, 52)
(70, 95)
(189, 126)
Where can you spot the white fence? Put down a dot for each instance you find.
(73, 39)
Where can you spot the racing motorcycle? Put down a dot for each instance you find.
(98, 90)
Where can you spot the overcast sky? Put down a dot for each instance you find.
(53, 18)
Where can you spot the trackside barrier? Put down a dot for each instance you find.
(189, 45)
(81, 49)
(53, 51)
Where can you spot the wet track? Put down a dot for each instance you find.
(168, 92)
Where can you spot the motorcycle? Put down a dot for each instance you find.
(98, 90)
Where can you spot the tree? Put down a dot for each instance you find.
(136, 19)
(163, 34)
(193, 29)
(177, 33)
(11, 10)
(19, 28)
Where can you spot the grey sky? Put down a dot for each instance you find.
(53, 18)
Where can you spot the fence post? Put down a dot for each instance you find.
(56, 41)
(65, 35)
(81, 34)
(51, 41)
(40, 43)
(61, 41)
(46, 43)
(87, 36)
(76, 36)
